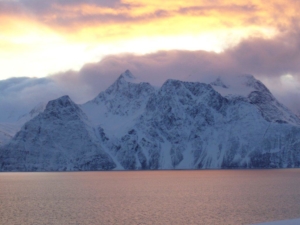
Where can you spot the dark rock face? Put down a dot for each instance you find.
(182, 125)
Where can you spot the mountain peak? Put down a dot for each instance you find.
(250, 81)
(241, 85)
(127, 76)
(124, 79)
(219, 82)
(62, 104)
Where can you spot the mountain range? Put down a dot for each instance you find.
(133, 125)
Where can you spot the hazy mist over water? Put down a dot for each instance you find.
(150, 197)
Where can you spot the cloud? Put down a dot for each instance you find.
(276, 62)
(19, 95)
(134, 17)
(273, 57)
(259, 56)
(86, 31)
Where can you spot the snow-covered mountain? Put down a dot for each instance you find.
(181, 125)
(10, 128)
(60, 138)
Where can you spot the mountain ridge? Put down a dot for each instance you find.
(181, 125)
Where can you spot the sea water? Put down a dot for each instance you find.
(150, 197)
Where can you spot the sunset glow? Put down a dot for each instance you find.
(39, 38)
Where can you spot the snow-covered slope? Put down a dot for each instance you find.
(60, 138)
(120, 105)
(7, 131)
(257, 94)
(182, 125)
(190, 125)
(10, 128)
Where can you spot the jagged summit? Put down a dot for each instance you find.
(60, 102)
(125, 97)
(250, 81)
(125, 78)
(127, 85)
(128, 76)
(251, 90)
(64, 106)
(218, 82)
(241, 85)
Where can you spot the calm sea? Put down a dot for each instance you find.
(150, 197)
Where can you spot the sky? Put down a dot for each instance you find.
(76, 47)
